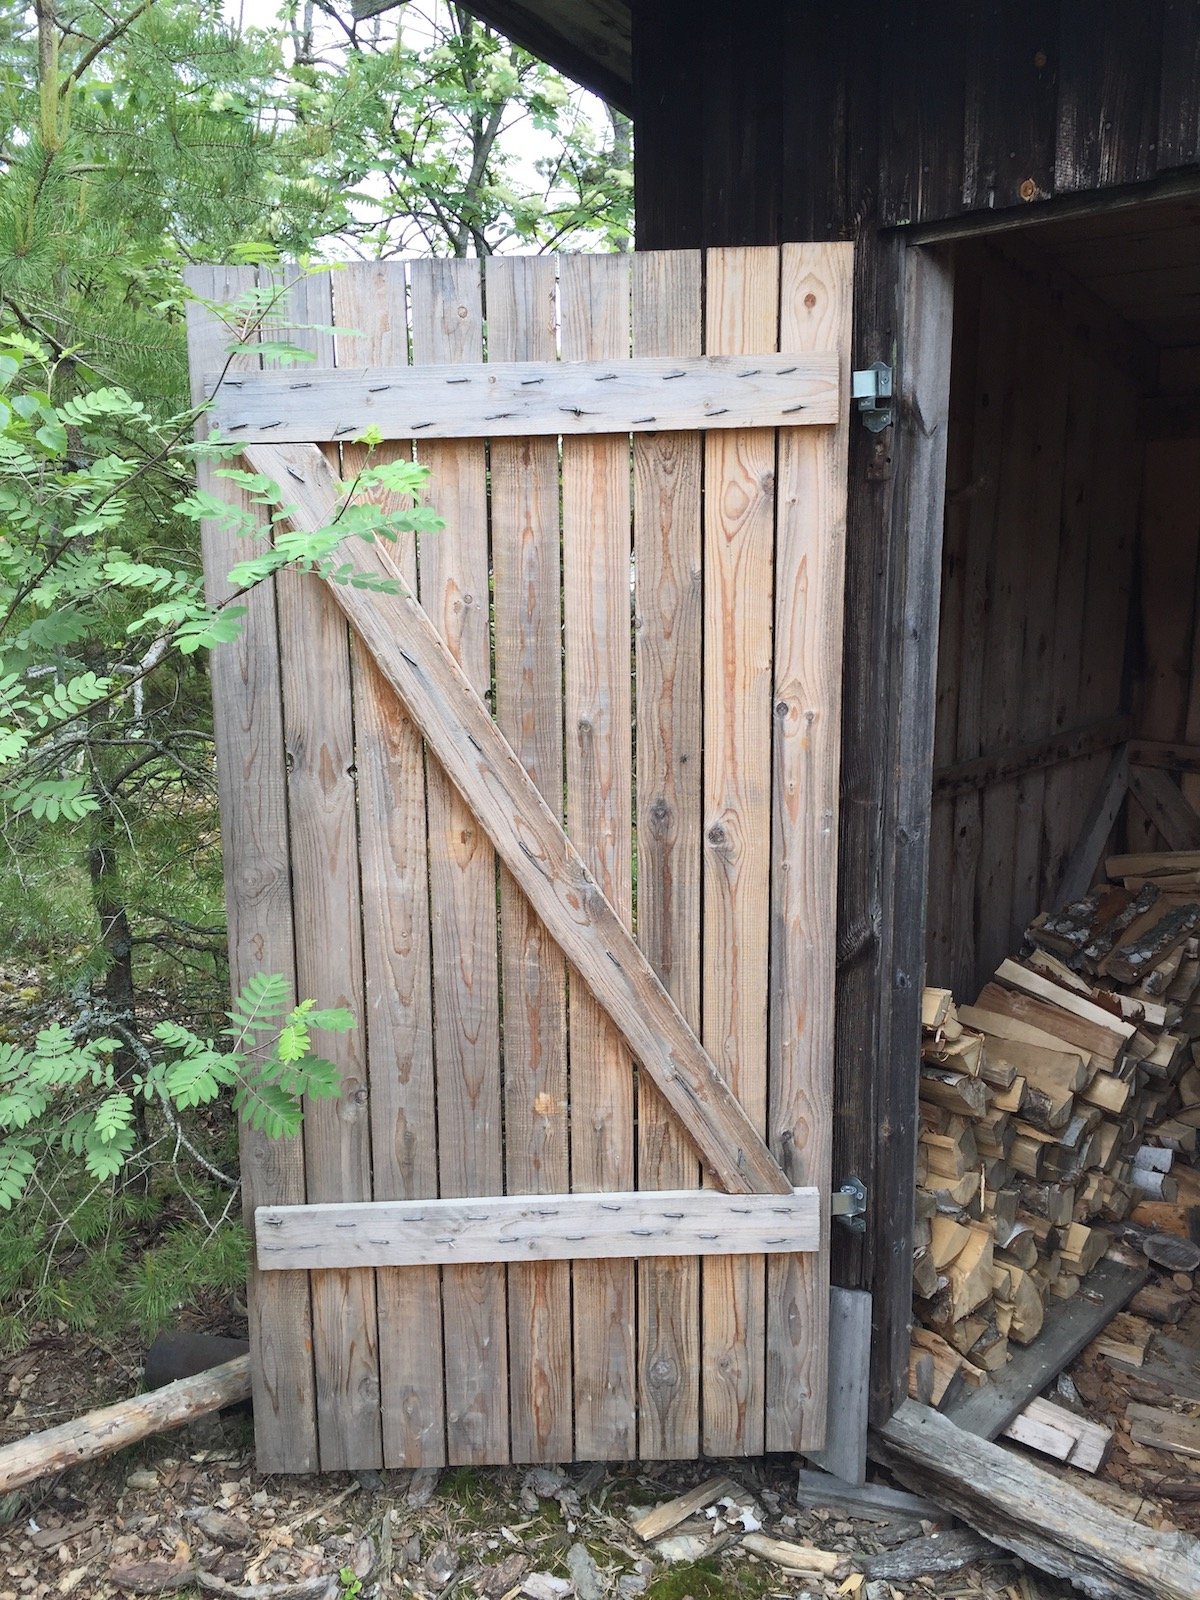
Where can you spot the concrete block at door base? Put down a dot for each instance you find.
(567, 1227)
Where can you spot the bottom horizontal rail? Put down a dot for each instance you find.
(563, 1227)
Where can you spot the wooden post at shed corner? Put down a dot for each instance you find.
(903, 314)
(922, 387)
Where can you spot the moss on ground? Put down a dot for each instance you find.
(706, 1580)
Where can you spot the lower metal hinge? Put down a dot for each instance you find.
(849, 1205)
(871, 391)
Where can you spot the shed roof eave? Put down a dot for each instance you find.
(588, 40)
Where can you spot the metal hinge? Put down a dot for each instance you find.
(849, 1205)
(871, 391)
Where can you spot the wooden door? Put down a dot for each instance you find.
(558, 822)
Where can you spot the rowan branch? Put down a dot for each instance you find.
(102, 44)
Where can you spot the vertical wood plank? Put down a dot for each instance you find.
(1010, 109)
(1108, 111)
(253, 797)
(528, 646)
(1114, 494)
(844, 1453)
(1085, 388)
(922, 413)
(989, 403)
(1167, 548)
(447, 315)
(953, 636)
(1187, 466)
(810, 548)
(859, 1092)
(667, 470)
(1001, 641)
(322, 808)
(596, 556)
(1045, 393)
(742, 314)
(371, 299)
(1179, 94)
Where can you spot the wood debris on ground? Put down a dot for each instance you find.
(187, 1514)
(1059, 1122)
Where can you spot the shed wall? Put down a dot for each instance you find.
(794, 119)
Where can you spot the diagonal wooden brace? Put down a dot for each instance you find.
(460, 732)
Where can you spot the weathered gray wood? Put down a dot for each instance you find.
(1041, 1518)
(668, 641)
(526, 585)
(1163, 753)
(741, 313)
(844, 1454)
(598, 718)
(111, 1428)
(1164, 1429)
(370, 298)
(938, 1552)
(1158, 793)
(921, 439)
(462, 735)
(251, 781)
(1088, 852)
(447, 329)
(870, 1500)
(515, 399)
(318, 722)
(1056, 750)
(563, 1227)
(1069, 1325)
(810, 555)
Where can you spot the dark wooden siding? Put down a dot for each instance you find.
(806, 119)
(799, 119)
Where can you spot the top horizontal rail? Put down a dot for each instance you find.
(507, 399)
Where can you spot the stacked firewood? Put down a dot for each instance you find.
(1066, 1098)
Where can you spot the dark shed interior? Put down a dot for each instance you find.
(1069, 567)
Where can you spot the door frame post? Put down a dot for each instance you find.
(904, 316)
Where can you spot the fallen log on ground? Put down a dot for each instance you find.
(1040, 1517)
(111, 1428)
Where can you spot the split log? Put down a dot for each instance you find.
(1161, 1302)
(926, 1557)
(652, 1523)
(1054, 1431)
(102, 1432)
(1044, 1520)
(1105, 1040)
(793, 1557)
(935, 1004)
(1164, 1429)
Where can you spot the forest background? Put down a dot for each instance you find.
(137, 140)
